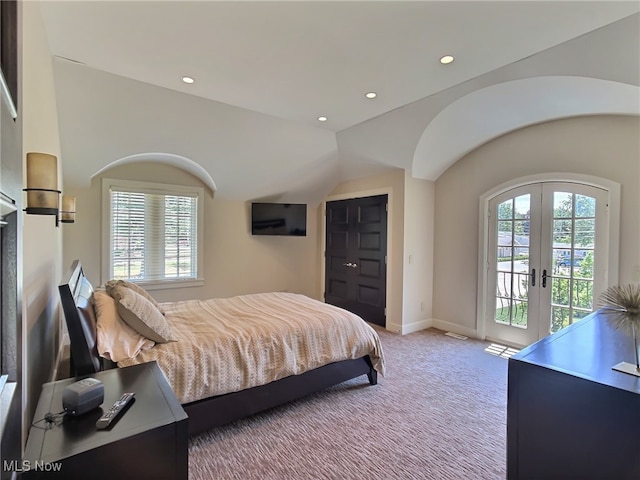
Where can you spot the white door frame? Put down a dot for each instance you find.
(613, 190)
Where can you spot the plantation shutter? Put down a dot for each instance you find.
(153, 235)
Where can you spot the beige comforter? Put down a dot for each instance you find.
(228, 345)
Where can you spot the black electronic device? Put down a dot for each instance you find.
(82, 396)
(111, 415)
(289, 219)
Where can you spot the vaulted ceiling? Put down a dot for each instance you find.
(265, 71)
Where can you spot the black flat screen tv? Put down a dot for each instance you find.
(288, 219)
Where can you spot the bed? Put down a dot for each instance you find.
(261, 388)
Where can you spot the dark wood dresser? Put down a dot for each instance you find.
(148, 441)
(569, 415)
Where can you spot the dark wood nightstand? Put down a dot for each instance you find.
(148, 441)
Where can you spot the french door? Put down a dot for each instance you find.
(547, 259)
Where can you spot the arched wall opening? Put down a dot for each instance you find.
(177, 161)
(490, 112)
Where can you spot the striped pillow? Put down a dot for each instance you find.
(140, 314)
(136, 288)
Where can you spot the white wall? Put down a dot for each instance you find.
(602, 146)
(417, 294)
(235, 262)
(42, 241)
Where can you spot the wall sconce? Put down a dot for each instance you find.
(42, 184)
(68, 210)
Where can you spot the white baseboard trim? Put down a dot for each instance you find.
(417, 326)
(394, 327)
(432, 322)
(454, 327)
(411, 327)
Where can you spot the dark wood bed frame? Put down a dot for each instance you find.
(75, 294)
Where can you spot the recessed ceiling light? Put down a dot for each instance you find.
(322, 119)
(188, 79)
(446, 59)
(371, 94)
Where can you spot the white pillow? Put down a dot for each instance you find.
(116, 340)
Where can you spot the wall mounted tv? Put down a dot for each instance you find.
(289, 219)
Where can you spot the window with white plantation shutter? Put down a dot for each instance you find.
(153, 232)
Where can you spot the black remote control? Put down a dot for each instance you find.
(111, 415)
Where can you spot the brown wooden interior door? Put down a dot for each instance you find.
(355, 256)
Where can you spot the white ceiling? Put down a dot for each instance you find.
(264, 71)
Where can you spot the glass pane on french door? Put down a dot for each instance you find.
(572, 258)
(512, 309)
(512, 261)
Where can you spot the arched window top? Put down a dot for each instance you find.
(177, 161)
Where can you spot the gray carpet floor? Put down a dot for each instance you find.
(439, 413)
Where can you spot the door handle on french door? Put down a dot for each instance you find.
(533, 277)
(544, 278)
(350, 265)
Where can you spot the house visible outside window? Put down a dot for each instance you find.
(154, 233)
